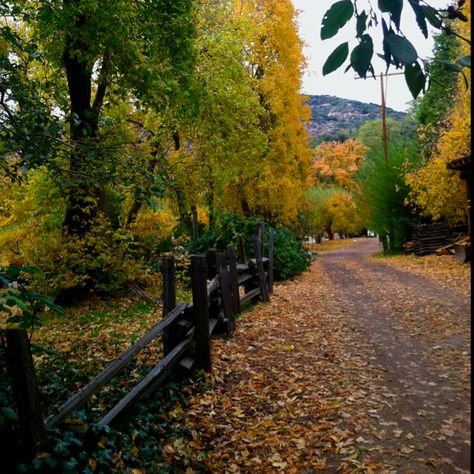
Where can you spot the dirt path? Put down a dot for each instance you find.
(353, 367)
(424, 368)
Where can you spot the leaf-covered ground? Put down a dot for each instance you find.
(359, 365)
(356, 366)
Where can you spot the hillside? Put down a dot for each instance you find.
(333, 118)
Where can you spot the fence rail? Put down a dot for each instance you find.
(221, 285)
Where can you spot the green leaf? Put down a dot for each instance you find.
(9, 414)
(432, 16)
(361, 23)
(394, 7)
(386, 49)
(420, 16)
(415, 79)
(465, 61)
(336, 58)
(451, 66)
(336, 17)
(12, 300)
(401, 49)
(456, 68)
(361, 56)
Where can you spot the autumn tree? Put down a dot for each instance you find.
(274, 62)
(435, 191)
(430, 109)
(335, 164)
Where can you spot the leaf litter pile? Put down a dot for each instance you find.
(306, 385)
(359, 365)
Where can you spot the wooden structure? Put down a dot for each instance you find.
(427, 238)
(217, 280)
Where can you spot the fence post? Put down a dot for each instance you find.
(201, 312)
(25, 390)
(169, 301)
(234, 283)
(242, 255)
(270, 260)
(258, 242)
(226, 296)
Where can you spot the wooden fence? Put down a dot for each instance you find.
(221, 284)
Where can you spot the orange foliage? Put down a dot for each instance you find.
(335, 164)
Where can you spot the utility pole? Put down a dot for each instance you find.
(384, 120)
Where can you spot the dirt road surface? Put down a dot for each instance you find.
(356, 366)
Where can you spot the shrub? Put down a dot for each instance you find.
(290, 257)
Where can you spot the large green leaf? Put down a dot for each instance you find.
(415, 79)
(336, 58)
(420, 16)
(361, 56)
(432, 16)
(361, 23)
(401, 49)
(394, 7)
(336, 17)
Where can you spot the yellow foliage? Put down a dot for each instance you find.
(155, 225)
(275, 62)
(437, 192)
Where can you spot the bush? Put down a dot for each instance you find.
(290, 257)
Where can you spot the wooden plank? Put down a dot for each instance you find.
(169, 301)
(233, 276)
(243, 278)
(201, 312)
(242, 267)
(149, 384)
(249, 296)
(270, 260)
(25, 390)
(80, 397)
(225, 292)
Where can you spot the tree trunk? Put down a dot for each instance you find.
(85, 195)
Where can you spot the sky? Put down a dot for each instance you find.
(316, 51)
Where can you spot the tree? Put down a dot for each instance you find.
(382, 184)
(430, 110)
(139, 50)
(435, 191)
(398, 51)
(335, 164)
(274, 62)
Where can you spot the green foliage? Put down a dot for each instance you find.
(290, 257)
(336, 17)
(431, 109)
(23, 305)
(382, 183)
(336, 58)
(398, 51)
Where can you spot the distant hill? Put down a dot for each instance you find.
(333, 118)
